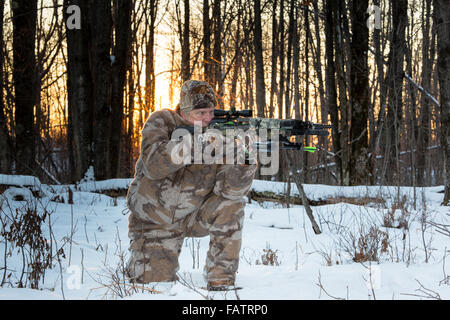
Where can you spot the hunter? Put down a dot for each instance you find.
(170, 201)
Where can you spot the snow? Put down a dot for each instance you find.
(19, 180)
(93, 233)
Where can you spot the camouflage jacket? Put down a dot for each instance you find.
(164, 192)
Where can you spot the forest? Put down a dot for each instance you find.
(79, 78)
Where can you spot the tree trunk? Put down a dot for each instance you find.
(287, 92)
(442, 24)
(296, 65)
(217, 52)
(150, 59)
(307, 82)
(281, 64)
(342, 69)
(395, 88)
(130, 129)
(206, 42)
(259, 72)
(323, 141)
(101, 31)
(377, 133)
(359, 95)
(275, 44)
(79, 91)
(424, 118)
(185, 49)
(330, 83)
(121, 53)
(410, 116)
(237, 60)
(24, 75)
(248, 70)
(5, 139)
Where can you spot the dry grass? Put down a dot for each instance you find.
(269, 258)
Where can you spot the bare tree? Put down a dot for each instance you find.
(217, 51)
(259, 72)
(185, 50)
(24, 74)
(359, 95)
(237, 58)
(207, 42)
(376, 133)
(441, 18)
(121, 54)
(317, 62)
(150, 81)
(330, 82)
(281, 52)
(307, 83)
(343, 67)
(79, 91)
(274, 54)
(424, 127)
(100, 53)
(296, 61)
(395, 88)
(5, 139)
(287, 91)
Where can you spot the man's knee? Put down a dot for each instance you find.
(153, 261)
(220, 214)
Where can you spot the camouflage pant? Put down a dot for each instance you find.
(155, 249)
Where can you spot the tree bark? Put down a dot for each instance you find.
(305, 157)
(377, 133)
(121, 53)
(185, 49)
(24, 75)
(410, 116)
(359, 95)
(395, 88)
(296, 64)
(80, 94)
(317, 61)
(150, 59)
(330, 83)
(281, 64)
(206, 42)
(275, 44)
(237, 60)
(259, 72)
(424, 127)
(442, 24)
(217, 52)
(5, 139)
(287, 91)
(101, 32)
(342, 69)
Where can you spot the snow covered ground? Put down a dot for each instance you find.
(281, 257)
